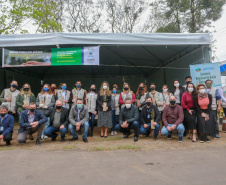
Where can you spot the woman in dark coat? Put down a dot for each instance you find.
(205, 118)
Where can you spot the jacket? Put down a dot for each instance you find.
(63, 117)
(84, 115)
(24, 123)
(7, 123)
(129, 115)
(20, 101)
(144, 114)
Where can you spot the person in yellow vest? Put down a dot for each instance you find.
(8, 97)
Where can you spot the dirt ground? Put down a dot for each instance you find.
(114, 160)
(96, 143)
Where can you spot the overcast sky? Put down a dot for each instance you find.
(220, 36)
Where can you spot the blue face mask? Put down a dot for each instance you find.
(79, 106)
(114, 91)
(46, 89)
(78, 85)
(14, 86)
(64, 87)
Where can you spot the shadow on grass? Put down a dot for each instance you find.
(109, 139)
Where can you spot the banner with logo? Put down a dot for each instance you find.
(51, 57)
(209, 71)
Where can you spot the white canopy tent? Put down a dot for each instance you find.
(131, 57)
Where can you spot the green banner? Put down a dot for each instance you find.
(66, 56)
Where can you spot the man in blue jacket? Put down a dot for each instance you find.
(6, 125)
(31, 121)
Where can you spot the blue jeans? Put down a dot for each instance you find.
(134, 125)
(114, 120)
(146, 130)
(46, 125)
(180, 129)
(91, 121)
(72, 128)
(51, 131)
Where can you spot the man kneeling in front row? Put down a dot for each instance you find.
(58, 121)
(150, 117)
(79, 116)
(6, 125)
(128, 119)
(172, 118)
(31, 121)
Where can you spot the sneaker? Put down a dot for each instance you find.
(218, 136)
(42, 136)
(85, 140)
(115, 133)
(207, 140)
(112, 133)
(54, 137)
(169, 137)
(8, 143)
(202, 140)
(45, 137)
(135, 138)
(180, 140)
(38, 142)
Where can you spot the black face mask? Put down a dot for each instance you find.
(2, 115)
(188, 82)
(14, 86)
(141, 88)
(32, 110)
(152, 88)
(58, 107)
(172, 102)
(26, 89)
(148, 103)
(126, 88)
(92, 89)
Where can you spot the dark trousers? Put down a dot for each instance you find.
(216, 123)
(134, 125)
(114, 120)
(91, 121)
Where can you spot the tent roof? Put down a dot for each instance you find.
(154, 39)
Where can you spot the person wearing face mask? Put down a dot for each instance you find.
(91, 99)
(155, 96)
(172, 118)
(58, 121)
(178, 91)
(79, 117)
(45, 101)
(127, 93)
(141, 97)
(216, 102)
(31, 121)
(205, 118)
(150, 117)
(6, 125)
(8, 97)
(104, 121)
(128, 119)
(188, 105)
(188, 79)
(64, 95)
(24, 98)
(53, 89)
(78, 92)
(115, 110)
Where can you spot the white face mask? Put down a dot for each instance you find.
(165, 90)
(177, 85)
(202, 91)
(105, 87)
(128, 106)
(190, 89)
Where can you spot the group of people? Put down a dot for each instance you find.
(187, 109)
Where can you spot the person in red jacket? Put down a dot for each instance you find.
(127, 93)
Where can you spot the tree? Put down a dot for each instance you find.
(84, 16)
(188, 15)
(123, 15)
